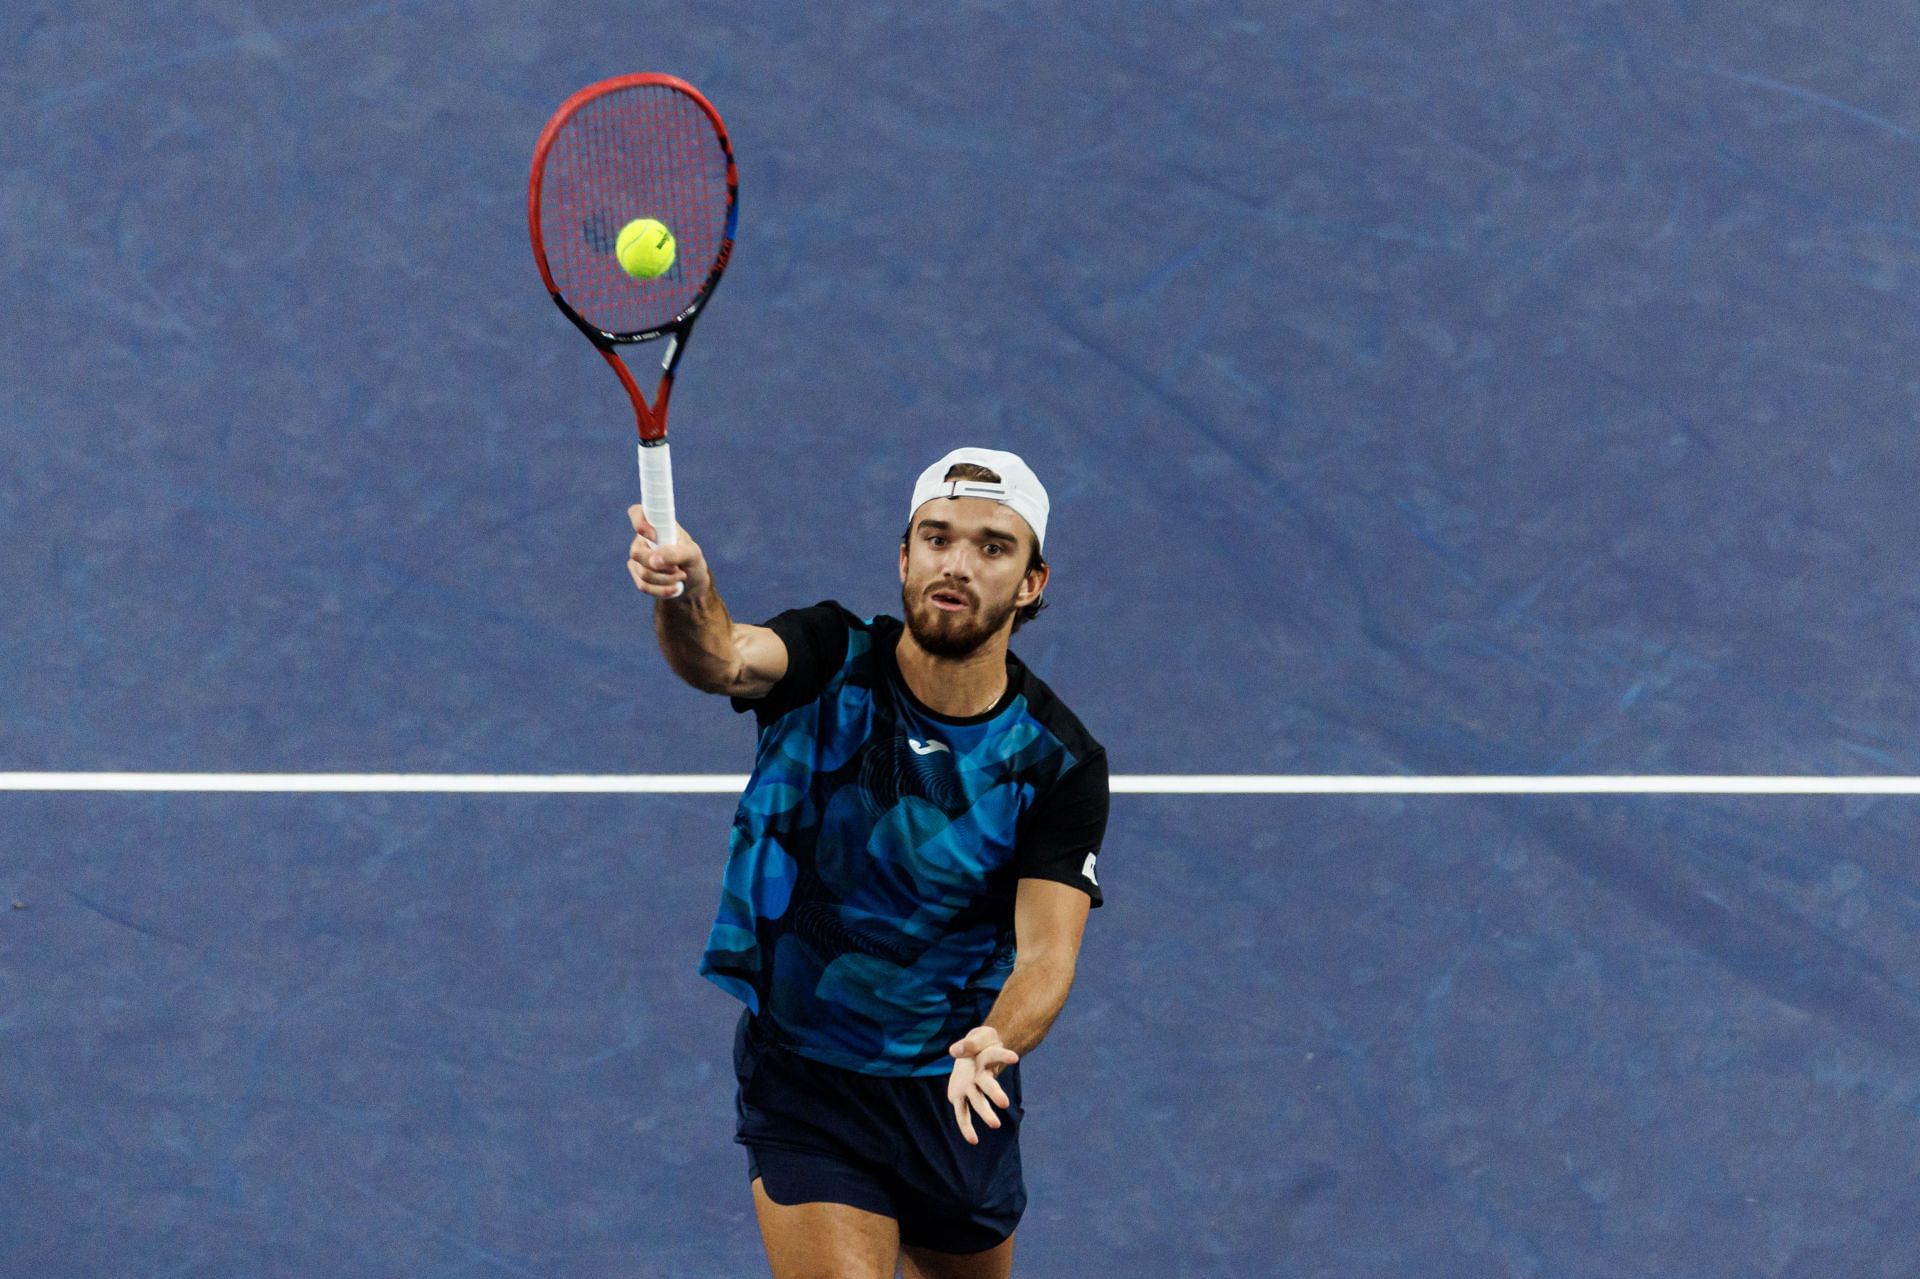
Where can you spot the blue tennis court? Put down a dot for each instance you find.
(1422, 390)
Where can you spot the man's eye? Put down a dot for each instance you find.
(993, 549)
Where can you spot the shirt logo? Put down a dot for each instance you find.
(1087, 870)
(928, 747)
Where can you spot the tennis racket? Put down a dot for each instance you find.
(635, 146)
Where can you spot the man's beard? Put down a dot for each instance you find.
(952, 635)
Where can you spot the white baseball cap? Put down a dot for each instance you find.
(1019, 488)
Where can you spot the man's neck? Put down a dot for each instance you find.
(956, 686)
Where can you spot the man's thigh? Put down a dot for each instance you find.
(826, 1240)
(924, 1263)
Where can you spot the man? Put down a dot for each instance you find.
(911, 869)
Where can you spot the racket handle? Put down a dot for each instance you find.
(656, 494)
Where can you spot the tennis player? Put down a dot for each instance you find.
(911, 868)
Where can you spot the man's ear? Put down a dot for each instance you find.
(903, 561)
(1037, 580)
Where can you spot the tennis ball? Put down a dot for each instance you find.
(645, 248)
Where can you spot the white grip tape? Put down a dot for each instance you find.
(656, 494)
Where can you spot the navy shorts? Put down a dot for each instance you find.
(816, 1133)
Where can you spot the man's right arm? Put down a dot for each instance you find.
(703, 644)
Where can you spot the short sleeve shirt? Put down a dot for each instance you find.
(866, 911)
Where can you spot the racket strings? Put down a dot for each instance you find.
(643, 152)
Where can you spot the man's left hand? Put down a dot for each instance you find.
(974, 1086)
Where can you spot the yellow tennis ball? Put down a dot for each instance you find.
(645, 248)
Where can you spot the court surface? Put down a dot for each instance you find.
(1422, 389)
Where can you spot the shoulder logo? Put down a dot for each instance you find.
(928, 747)
(1087, 869)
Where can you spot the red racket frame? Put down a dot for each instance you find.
(650, 419)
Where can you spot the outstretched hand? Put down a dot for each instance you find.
(974, 1086)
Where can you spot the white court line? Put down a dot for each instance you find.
(1123, 784)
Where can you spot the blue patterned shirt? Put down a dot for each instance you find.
(866, 912)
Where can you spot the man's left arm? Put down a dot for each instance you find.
(1049, 920)
(1056, 888)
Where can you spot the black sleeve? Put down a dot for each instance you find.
(1060, 835)
(816, 640)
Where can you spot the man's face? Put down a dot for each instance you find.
(963, 573)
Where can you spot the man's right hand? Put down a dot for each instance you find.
(697, 636)
(660, 570)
